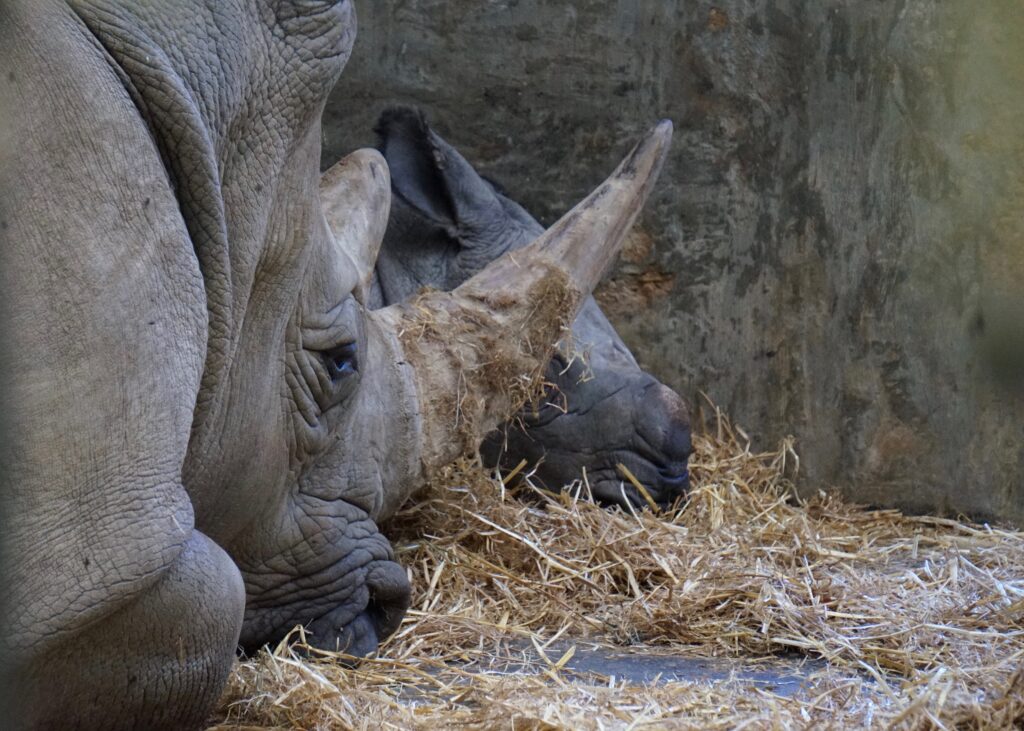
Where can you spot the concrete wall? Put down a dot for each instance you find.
(835, 246)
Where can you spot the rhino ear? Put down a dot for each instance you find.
(431, 176)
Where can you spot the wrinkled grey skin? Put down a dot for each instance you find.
(187, 479)
(446, 224)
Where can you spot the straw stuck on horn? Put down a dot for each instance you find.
(478, 352)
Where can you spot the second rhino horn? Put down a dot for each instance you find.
(478, 352)
(355, 194)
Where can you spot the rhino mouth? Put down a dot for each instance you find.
(359, 634)
(602, 477)
(606, 475)
(667, 486)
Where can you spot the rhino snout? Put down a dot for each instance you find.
(643, 427)
(357, 632)
(597, 426)
(663, 426)
(663, 422)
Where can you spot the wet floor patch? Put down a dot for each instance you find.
(590, 663)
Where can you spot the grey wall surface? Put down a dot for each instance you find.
(835, 247)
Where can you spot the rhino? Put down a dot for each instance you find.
(601, 410)
(208, 421)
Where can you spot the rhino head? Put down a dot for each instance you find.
(601, 409)
(210, 420)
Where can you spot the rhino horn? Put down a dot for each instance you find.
(478, 352)
(355, 197)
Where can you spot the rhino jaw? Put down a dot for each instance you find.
(478, 352)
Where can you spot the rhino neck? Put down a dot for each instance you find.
(186, 146)
(223, 202)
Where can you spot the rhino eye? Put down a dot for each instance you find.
(342, 361)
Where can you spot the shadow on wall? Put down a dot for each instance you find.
(834, 250)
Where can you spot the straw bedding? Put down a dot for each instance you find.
(915, 622)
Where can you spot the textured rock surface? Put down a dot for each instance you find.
(836, 240)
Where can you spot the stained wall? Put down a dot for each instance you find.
(834, 251)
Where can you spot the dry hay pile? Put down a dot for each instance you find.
(915, 622)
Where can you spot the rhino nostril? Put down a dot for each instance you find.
(386, 617)
(359, 638)
(390, 596)
(676, 447)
